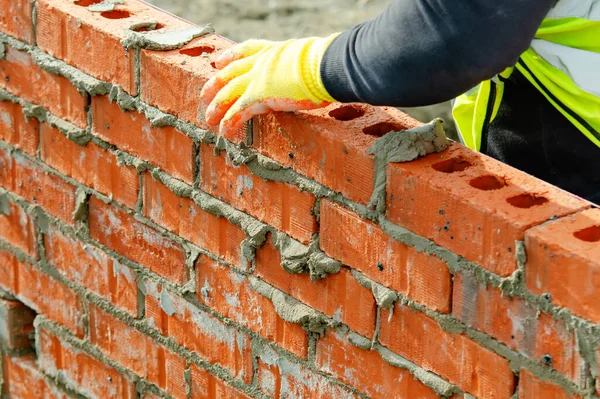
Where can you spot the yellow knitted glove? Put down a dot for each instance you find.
(260, 76)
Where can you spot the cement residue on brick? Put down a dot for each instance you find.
(403, 146)
(290, 309)
(163, 40)
(105, 6)
(384, 296)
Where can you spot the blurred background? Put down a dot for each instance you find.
(239, 20)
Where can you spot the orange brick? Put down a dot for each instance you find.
(338, 295)
(473, 368)
(230, 294)
(362, 245)
(330, 145)
(16, 323)
(91, 41)
(16, 19)
(281, 378)
(92, 268)
(366, 370)
(20, 75)
(29, 181)
(91, 165)
(198, 331)
(183, 217)
(281, 205)
(16, 130)
(516, 324)
(533, 388)
(165, 147)
(207, 386)
(88, 375)
(9, 266)
(42, 293)
(172, 80)
(18, 229)
(136, 351)
(473, 205)
(119, 231)
(561, 251)
(23, 380)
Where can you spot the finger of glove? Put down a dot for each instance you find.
(239, 51)
(242, 111)
(223, 77)
(226, 98)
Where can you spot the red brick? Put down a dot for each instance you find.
(20, 75)
(36, 186)
(183, 217)
(331, 151)
(563, 260)
(366, 370)
(16, 19)
(230, 294)
(91, 41)
(165, 147)
(281, 378)
(207, 386)
(40, 292)
(516, 324)
(437, 197)
(16, 323)
(88, 375)
(280, 205)
(338, 295)
(172, 80)
(90, 165)
(198, 331)
(136, 351)
(9, 266)
(23, 380)
(364, 246)
(533, 388)
(473, 368)
(92, 268)
(18, 229)
(16, 130)
(121, 232)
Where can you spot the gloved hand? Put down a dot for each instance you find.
(260, 76)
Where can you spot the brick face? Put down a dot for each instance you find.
(119, 280)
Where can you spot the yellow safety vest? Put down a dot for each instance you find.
(563, 63)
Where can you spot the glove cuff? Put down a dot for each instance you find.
(312, 68)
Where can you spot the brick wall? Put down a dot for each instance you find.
(143, 256)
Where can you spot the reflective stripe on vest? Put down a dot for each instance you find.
(563, 63)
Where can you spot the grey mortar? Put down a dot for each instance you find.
(403, 146)
(384, 296)
(4, 203)
(105, 6)
(2, 51)
(290, 309)
(80, 213)
(163, 40)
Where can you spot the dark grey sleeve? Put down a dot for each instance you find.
(422, 52)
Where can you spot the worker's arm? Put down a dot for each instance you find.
(422, 52)
(418, 52)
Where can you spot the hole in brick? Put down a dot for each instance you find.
(147, 28)
(347, 113)
(85, 3)
(451, 165)
(526, 201)
(213, 64)
(197, 51)
(590, 234)
(116, 14)
(488, 183)
(381, 129)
